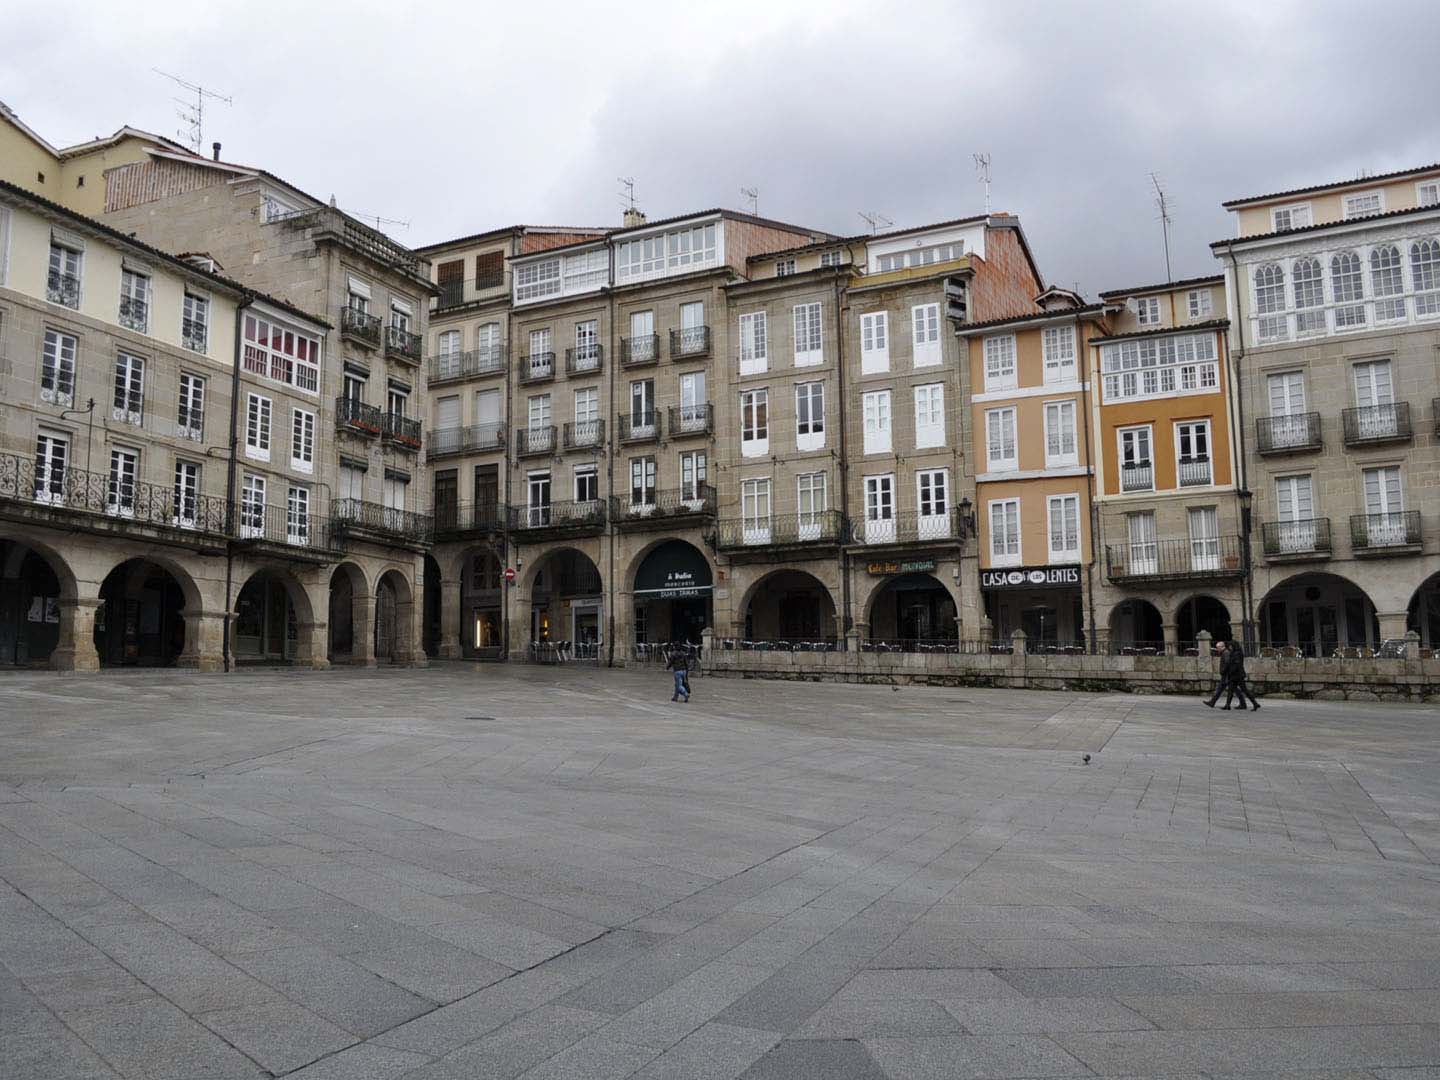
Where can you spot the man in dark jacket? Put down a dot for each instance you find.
(1232, 677)
(1222, 649)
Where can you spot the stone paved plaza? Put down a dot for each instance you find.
(485, 873)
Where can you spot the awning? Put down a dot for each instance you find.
(673, 571)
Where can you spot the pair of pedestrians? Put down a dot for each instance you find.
(1232, 677)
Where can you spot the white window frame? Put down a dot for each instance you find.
(1143, 547)
(1147, 310)
(128, 403)
(1011, 535)
(123, 479)
(1132, 432)
(1200, 303)
(996, 460)
(58, 359)
(1160, 366)
(585, 479)
(52, 464)
(69, 257)
(1205, 542)
(190, 409)
(136, 285)
(1068, 552)
(756, 510)
(1057, 344)
(929, 416)
(1001, 364)
(812, 501)
(879, 422)
(302, 440)
(299, 368)
(810, 416)
(1427, 192)
(252, 506)
(1294, 216)
(1350, 211)
(932, 504)
(874, 342)
(754, 343)
(880, 510)
(297, 516)
(1057, 454)
(259, 412)
(809, 340)
(1189, 428)
(755, 422)
(186, 493)
(925, 335)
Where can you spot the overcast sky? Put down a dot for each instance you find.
(462, 117)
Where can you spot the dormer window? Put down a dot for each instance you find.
(1295, 216)
(1427, 193)
(784, 267)
(1147, 310)
(1363, 204)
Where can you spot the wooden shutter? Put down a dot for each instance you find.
(490, 270)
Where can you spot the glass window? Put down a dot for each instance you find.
(1000, 362)
(754, 423)
(129, 388)
(1147, 310)
(124, 464)
(1064, 514)
(810, 415)
(134, 300)
(808, 349)
(1001, 448)
(1058, 346)
(877, 422)
(1005, 532)
(754, 346)
(1347, 286)
(57, 369)
(1425, 276)
(1200, 303)
(281, 354)
(1387, 281)
(929, 416)
(1060, 434)
(257, 427)
(874, 342)
(302, 440)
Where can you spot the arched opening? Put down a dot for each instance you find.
(346, 584)
(566, 607)
(913, 608)
(29, 606)
(1135, 625)
(1423, 616)
(140, 621)
(672, 590)
(1316, 614)
(268, 613)
(393, 614)
(431, 630)
(789, 605)
(482, 605)
(1202, 613)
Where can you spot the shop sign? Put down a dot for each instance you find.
(908, 566)
(1030, 577)
(673, 571)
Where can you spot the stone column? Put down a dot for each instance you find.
(450, 615)
(410, 648)
(1172, 638)
(362, 631)
(1100, 640)
(852, 641)
(1412, 645)
(204, 641)
(624, 630)
(1204, 651)
(312, 645)
(1392, 625)
(76, 649)
(1018, 658)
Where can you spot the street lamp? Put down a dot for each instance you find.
(967, 518)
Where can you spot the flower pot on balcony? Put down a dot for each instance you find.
(1232, 562)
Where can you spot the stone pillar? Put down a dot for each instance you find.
(1392, 625)
(1017, 652)
(410, 648)
(204, 641)
(451, 613)
(624, 630)
(1172, 638)
(362, 631)
(76, 648)
(312, 645)
(1100, 640)
(852, 641)
(1412, 645)
(1204, 650)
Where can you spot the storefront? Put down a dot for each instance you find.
(567, 606)
(672, 594)
(1047, 602)
(911, 604)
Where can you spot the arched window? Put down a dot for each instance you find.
(1270, 301)
(1425, 274)
(1347, 286)
(1387, 282)
(1309, 287)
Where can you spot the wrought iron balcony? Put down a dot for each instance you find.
(1175, 560)
(584, 434)
(690, 343)
(474, 363)
(660, 509)
(134, 313)
(283, 526)
(1194, 471)
(63, 289)
(779, 530)
(691, 420)
(195, 335)
(907, 527)
(1137, 476)
(530, 441)
(46, 487)
(459, 440)
(357, 417)
(349, 517)
(1306, 538)
(584, 516)
(1376, 534)
(583, 359)
(638, 427)
(1288, 434)
(403, 431)
(452, 294)
(537, 368)
(402, 344)
(640, 350)
(360, 326)
(1370, 424)
(456, 520)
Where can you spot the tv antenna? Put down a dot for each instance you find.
(875, 220)
(752, 196)
(192, 113)
(378, 220)
(982, 173)
(628, 183)
(1162, 203)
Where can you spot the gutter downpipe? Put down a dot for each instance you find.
(230, 476)
(847, 616)
(1089, 491)
(1247, 583)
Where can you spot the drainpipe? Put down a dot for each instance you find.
(506, 506)
(230, 471)
(1247, 581)
(1089, 488)
(847, 620)
(610, 472)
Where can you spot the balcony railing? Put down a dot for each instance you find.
(657, 508)
(534, 440)
(355, 416)
(348, 516)
(195, 335)
(778, 530)
(1160, 560)
(1296, 539)
(1194, 472)
(690, 343)
(452, 294)
(638, 427)
(1139, 476)
(403, 344)
(1377, 423)
(691, 420)
(45, 485)
(403, 431)
(1288, 434)
(63, 289)
(583, 359)
(457, 518)
(1376, 532)
(284, 525)
(640, 350)
(583, 434)
(459, 440)
(450, 367)
(537, 367)
(360, 326)
(134, 313)
(907, 527)
(586, 514)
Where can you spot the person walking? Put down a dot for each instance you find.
(676, 661)
(1222, 650)
(1237, 678)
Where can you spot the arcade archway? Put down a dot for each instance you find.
(140, 621)
(671, 589)
(567, 606)
(30, 612)
(912, 608)
(1136, 624)
(789, 605)
(1202, 613)
(1316, 614)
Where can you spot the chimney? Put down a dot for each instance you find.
(633, 218)
(216, 148)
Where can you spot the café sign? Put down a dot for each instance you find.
(908, 566)
(1030, 577)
